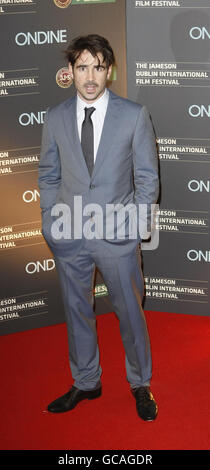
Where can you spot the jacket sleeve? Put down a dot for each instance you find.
(49, 178)
(145, 163)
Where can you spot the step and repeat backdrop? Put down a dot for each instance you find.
(168, 70)
(33, 76)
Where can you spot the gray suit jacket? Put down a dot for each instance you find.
(125, 170)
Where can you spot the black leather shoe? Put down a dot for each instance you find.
(71, 398)
(145, 404)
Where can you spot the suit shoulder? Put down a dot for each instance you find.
(57, 109)
(132, 105)
(129, 104)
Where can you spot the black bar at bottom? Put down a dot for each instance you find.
(94, 459)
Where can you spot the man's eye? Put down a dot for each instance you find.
(99, 68)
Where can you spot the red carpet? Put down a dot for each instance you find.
(34, 371)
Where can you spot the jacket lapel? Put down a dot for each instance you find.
(111, 122)
(70, 123)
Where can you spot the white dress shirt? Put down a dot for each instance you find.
(97, 117)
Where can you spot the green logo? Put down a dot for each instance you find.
(113, 74)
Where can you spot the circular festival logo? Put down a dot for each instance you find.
(63, 78)
(62, 3)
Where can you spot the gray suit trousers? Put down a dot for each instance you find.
(122, 275)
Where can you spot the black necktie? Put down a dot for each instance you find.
(87, 141)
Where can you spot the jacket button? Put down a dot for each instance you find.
(92, 186)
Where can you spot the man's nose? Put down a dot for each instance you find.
(90, 74)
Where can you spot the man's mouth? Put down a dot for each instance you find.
(90, 88)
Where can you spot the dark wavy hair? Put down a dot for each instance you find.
(95, 44)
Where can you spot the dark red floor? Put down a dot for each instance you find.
(34, 371)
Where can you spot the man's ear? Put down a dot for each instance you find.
(109, 72)
(71, 70)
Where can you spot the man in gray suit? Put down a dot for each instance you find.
(98, 154)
